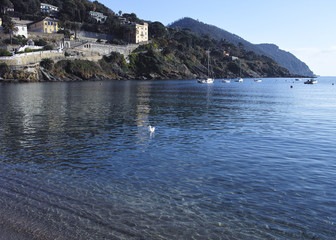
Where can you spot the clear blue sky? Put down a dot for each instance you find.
(305, 28)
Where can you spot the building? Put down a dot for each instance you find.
(47, 8)
(7, 10)
(141, 32)
(47, 25)
(22, 30)
(99, 17)
(21, 25)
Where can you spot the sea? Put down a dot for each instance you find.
(250, 160)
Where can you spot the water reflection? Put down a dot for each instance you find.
(143, 111)
(228, 161)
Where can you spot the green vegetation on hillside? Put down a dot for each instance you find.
(283, 58)
(171, 53)
(179, 54)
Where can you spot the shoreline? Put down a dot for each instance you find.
(77, 79)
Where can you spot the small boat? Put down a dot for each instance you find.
(311, 81)
(298, 79)
(258, 80)
(226, 80)
(240, 78)
(207, 80)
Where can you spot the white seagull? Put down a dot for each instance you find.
(151, 129)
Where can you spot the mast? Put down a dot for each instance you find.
(208, 52)
(239, 68)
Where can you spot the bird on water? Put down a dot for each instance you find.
(151, 129)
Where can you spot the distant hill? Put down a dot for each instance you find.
(285, 59)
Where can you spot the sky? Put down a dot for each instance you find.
(305, 28)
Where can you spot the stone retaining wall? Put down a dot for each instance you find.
(32, 58)
(106, 49)
(47, 36)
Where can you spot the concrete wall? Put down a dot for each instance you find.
(48, 36)
(106, 49)
(32, 58)
(85, 34)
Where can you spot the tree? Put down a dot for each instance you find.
(47, 63)
(75, 27)
(9, 27)
(5, 4)
(27, 6)
(157, 29)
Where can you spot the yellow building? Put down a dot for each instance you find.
(47, 25)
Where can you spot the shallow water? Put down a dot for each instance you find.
(227, 161)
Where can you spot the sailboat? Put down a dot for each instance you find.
(208, 79)
(240, 78)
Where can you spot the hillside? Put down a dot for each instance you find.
(171, 54)
(286, 59)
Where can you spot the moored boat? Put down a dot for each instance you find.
(208, 79)
(311, 81)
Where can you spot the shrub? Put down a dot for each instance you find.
(3, 68)
(66, 33)
(80, 68)
(40, 42)
(47, 63)
(48, 47)
(117, 42)
(4, 53)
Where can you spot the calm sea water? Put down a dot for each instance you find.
(227, 161)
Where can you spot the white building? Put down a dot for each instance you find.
(99, 17)
(47, 8)
(141, 34)
(22, 28)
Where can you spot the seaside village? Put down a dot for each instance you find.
(83, 45)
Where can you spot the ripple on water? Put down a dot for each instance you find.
(236, 161)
